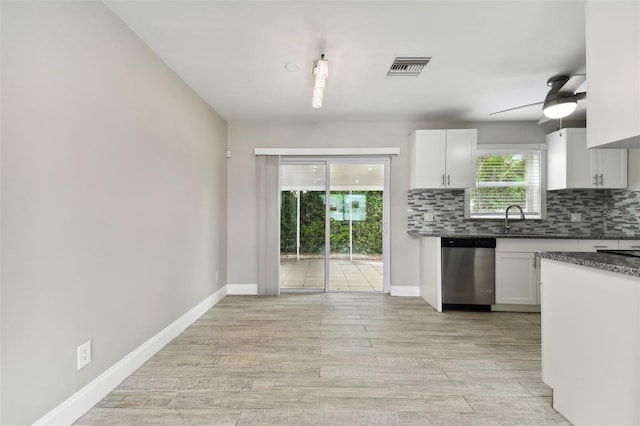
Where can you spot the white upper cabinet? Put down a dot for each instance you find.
(442, 159)
(461, 158)
(570, 165)
(613, 73)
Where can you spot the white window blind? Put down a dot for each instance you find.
(506, 177)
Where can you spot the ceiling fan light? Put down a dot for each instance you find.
(559, 108)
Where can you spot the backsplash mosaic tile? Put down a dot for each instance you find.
(609, 211)
(622, 211)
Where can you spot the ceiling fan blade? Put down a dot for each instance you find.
(573, 83)
(518, 107)
(543, 119)
(581, 95)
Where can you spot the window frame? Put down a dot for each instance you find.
(512, 149)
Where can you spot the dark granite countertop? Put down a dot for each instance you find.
(606, 261)
(598, 236)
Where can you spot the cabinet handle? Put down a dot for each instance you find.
(535, 262)
(448, 179)
(601, 179)
(595, 179)
(600, 246)
(638, 247)
(442, 180)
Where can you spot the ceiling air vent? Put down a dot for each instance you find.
(404, 66)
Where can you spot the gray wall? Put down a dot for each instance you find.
(113, 199)
(244, 138)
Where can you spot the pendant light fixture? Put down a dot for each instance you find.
(320, 71)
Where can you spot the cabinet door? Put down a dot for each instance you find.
(570, 164)
(613, 59)
(611, 167)
(516, 279)
(461, 158)
(580, 163)
(427, 156)
(557, 167)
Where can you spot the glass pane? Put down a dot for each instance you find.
(506, 179)
(302, 227)
(356, 220)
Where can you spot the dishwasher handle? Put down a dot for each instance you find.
(481, 242)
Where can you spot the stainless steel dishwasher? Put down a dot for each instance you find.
(468, 273)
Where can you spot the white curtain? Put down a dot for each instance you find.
(268, 225)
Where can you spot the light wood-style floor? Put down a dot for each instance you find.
(339, 359)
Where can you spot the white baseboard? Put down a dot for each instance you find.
(244, 289)
(404, 290)
(503, 307)
(83, 400)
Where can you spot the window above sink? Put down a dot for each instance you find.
(508, 175)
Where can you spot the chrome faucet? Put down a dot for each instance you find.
(506, 216)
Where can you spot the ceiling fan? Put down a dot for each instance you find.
(561, 100)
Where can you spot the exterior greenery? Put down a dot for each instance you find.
(367, 234)
(504, 177)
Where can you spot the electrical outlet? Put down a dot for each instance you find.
(217, 276)
(428, 217)
(576, 217)
(84, 354)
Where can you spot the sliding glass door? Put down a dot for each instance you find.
(333, 232)
(302, 226)
(356, 225)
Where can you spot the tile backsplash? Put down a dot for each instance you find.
(611, 211)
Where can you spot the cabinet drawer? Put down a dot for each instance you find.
(530, 245)
(629, 244)
(595, 245)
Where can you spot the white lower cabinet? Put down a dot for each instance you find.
(516, 278)
(591, 343)
(518, 268)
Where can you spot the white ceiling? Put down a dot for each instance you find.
(486, 55)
